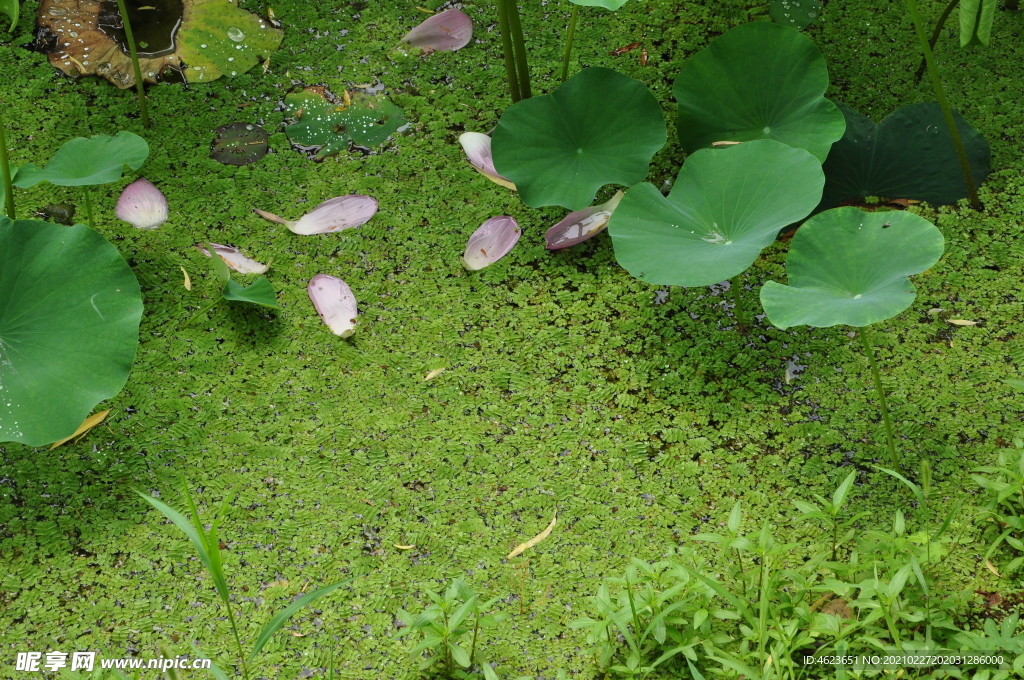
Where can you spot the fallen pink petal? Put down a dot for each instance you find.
(444, 32)
(334, 302)
(236, 259)
(142, 205)
(478, 151)
(581, 225)
(335, 214)
(490, 242)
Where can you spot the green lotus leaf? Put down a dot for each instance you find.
(725, 207)
(599, 127)
(757, 81)
(976, 17)
(847, 266)
(260, 292)
(607, 4)
(88, 161)
(798, 14)
(910, 154)
(69, 326)
(330, 126)
(219, 39)
(10, 8)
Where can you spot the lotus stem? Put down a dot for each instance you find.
(935, 36)
(5, 172)
(88, 206)
(568, 41)
(507, 49)
(736, 285)
(881, 395)
(958, 143)
(139, 87)
(519, 43)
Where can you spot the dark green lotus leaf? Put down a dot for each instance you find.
(725, 207)
(330, 126)
(599, 127)
(10, 8)
(910, 154)
(69, 326)
(848, 266)
(798, 14)
(239, 144)
(757, 81)
(260, 292)
(218, 38)
(976, 17)
(88, 161)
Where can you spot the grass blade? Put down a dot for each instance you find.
(274, 624)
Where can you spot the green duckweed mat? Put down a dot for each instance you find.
(638, 414)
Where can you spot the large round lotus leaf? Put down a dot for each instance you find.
(796, 14)
(599, 127)
(239, 144)
(69, 326)
(847, 266)
(757, 81)
(220, 39)
(87, 162)
(329, 126)
(607, 4)
(726, 205)
(910, 154)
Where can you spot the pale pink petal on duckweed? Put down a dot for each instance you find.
(142, 205)
(581, 225)
(478, 150)
(334, 302)
(490, 242)
(335, 214)
(444, 32)
(236, 259)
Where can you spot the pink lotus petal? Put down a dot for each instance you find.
(581, 225)
(444, 32)
(490, 242)
(142, 205)
(334, 302)
(335, 214)
(236, 259)
(478, 150)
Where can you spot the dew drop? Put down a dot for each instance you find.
(236, 34)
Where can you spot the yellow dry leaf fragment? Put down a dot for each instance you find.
(298, 634)
(535, 540)
(433, 374)
(962, 322)
(90, 422)
(188, 281)
(718, 144)
(404, 547)
(991, 567)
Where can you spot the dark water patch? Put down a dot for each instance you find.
(154, 24)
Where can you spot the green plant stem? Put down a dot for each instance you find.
(881, 395)
(472, 647)
(508, 51)
(519, 43)
(935, 37)
(568, 41)
(5, 172)
(234, 629)
(947, 112)
(741, 313)
(202, 311)
(139, 86)
(88, 206)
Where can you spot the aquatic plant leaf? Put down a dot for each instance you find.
(217, 38)
(329, 126)
(70, 308)
(334, 214)
(607, 4)
(599, 127)
(725, 207)
(444, 32)
(236, 259)
(798, 14)
(478, 151)
(910, 154)
(89, 161)
(490, 242)
(281, 618)
(581, 225)
(10, 8)
(142, 205)
(335, 303)
(757, 81)
(239, 144)
(847, 266)
(976, 17)
(260, 292)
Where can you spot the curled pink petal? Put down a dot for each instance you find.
(444, 32)
(236, 259)
(142, 205)
(581, 225)
(478, 150)
(335, 214)
(334, 302)
(490, 242)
